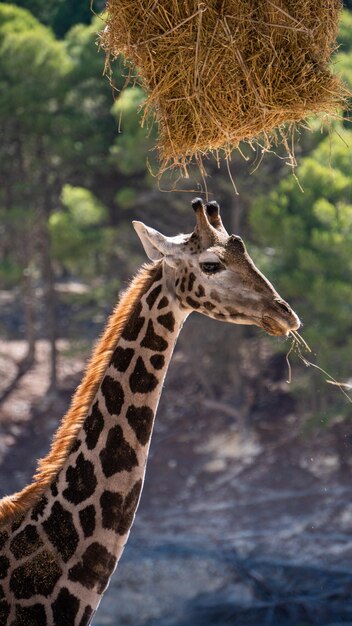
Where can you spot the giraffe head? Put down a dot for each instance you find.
(211, 272)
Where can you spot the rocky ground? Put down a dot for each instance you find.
(250, 529)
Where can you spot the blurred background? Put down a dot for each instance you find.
(246, 514)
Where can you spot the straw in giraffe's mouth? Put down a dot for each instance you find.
(298, 344)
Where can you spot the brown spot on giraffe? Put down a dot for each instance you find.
(26, 542)
(17, 523)
(141, 420)
(94, 569)
(65, 608)
(4, 566)
(117, 512)
(37, 576)
(76, 446)
(194, 304)
(39, 508)
(113, 395)
(93, 426)
(87, 520)
(30, 615)
(4, 611)
(3, 538)
(167, 320)
(111, 506)
(200, 291)
(151, 298)
(215, 296)
(164, 302)
(61, 531)
(122, 358)
(87, 616)
(53, 488)
(81, 480)
(152, 340)
(142, 381)
(134, 325)
(112, 463)
(191, 281)
(157, 361)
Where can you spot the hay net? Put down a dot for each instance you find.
(221, 71)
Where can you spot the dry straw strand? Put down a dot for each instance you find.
(217, 72)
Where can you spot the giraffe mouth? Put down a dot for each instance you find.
(279, 327)
(273, 323)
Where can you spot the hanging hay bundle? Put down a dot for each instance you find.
(221, 71)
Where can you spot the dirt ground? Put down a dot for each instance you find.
(250, 529)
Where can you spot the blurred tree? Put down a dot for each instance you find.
(99, 156)
(344, 38)
(58, 126)
(342, 59)
(309, 241)
(33, 67)
(79, 232)
(88, 107)
(61, 15)
(133, 145)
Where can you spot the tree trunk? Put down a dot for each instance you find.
(50, 193)
(29, 315)
(50, 302)
(237, 215)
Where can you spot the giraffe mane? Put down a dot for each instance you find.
(17, 504)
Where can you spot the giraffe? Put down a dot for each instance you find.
(62, 536)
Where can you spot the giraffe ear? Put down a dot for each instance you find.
(158, 246)
(149, 238)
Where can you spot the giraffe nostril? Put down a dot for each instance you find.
(283, 306)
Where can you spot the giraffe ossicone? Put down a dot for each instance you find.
(62, 536)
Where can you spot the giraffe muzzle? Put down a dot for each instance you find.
(280, 319)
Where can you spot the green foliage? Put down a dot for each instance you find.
(60, 15)
(342, 60)
(89, 97)
(58, 127)
(344, 68)
(66, 14)
(344, 39)
(33, 67)
(77, 231)
(311, 235)
(85, 209)
(10, 273)
(14, 20)
(133, 143)
(126, 197)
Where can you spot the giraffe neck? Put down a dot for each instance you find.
(66, 548)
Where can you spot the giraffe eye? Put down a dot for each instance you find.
(211, 267)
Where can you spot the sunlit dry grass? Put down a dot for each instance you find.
(217, 73)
